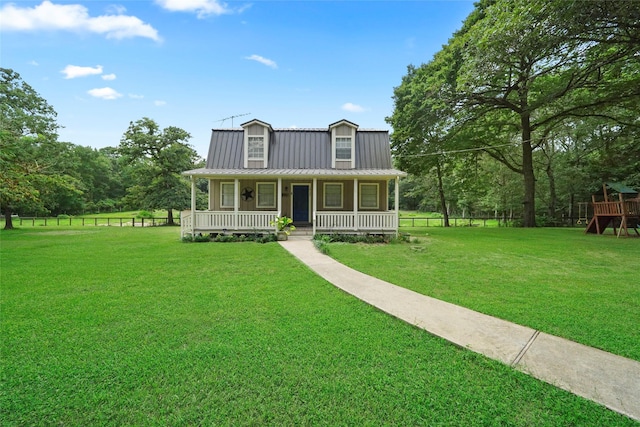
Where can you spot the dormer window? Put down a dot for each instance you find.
(256, 148)
(343, 148)
(256, 144)
(343, 136)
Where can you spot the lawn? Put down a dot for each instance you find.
(560, 281)
(129, 326)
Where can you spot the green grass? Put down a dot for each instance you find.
(560, 281)
(110, 326)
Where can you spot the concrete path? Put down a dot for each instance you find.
(602, 377)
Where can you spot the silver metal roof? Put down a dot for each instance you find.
(299, 152)
(302, 173)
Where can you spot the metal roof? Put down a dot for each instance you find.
(300, 173)
(299, 152)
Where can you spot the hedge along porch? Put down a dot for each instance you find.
(334, 179)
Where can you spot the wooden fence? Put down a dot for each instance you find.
(90, 221)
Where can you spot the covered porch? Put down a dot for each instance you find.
(323, 204)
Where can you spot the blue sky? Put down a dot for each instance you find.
(192, 63)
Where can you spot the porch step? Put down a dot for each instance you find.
(302, 231)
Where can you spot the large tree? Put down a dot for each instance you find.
(158, 157)
(28, 128)
(520, 69)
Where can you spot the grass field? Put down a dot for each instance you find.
(557, 280)
(128, 326)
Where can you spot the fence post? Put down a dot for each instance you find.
(83, 222)
(133, 221)
(45, 221)
(142, 221)
(120, 222)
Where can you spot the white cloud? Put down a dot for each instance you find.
(135, 96)
(353, 108)
(34, 63)
(262, 60)
(159, 103)
(104, 93)
(203, 8)
(109, 77)
(73, 17)
(73, 71)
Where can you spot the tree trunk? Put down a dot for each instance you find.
(553, 197)
(443, 202)
(170, 217)
(8, 221)
(529, 211)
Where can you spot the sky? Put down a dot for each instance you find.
(196, 63)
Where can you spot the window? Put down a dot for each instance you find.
(266, 194)
(227, 191)
(256, 147)
(333, 195)
(343, 148)
(368, 196)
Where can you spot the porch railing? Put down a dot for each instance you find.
(361, 221)
(226, 220)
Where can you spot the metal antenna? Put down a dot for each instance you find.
(232, 117)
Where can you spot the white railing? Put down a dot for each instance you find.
(361, 221)
(226, 220)
(186, 223)
(249, 221)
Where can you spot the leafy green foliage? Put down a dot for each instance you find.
(158, 157)
(516, 76)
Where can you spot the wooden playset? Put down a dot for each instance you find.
(622, 214)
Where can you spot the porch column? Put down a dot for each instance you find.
(193, 207)
(355, 204)
(236, 202)
(397, 202)
(314, 204)
(279, 197)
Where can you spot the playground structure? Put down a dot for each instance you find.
(622, 214)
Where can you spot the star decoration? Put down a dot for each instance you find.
(247, 194)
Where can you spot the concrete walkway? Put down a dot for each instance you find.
(602, 377)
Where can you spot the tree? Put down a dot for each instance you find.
(27, 128)
(159, 157)
(520, 69)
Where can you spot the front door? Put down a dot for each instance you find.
(300, 203)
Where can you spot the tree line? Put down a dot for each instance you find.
(527, 110)
(41, 176)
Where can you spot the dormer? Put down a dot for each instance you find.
(343, 144)
(256, 144)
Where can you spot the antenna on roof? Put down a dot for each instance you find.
(232, 117)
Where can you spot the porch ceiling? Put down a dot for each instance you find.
(298, 173)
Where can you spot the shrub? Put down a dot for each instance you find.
(197, 238)
(144, 214)
(63, 216)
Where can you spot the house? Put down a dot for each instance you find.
(334, 179)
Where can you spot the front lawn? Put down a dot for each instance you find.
(129, 326)
(582, 287)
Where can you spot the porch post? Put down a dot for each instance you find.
(314, 204)
(193, 207)
(397, 203)
(355, 204)
(279, 197)
(236, 202)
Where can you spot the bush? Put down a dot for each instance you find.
(145, 214)
(197, 238)
(63, 216)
